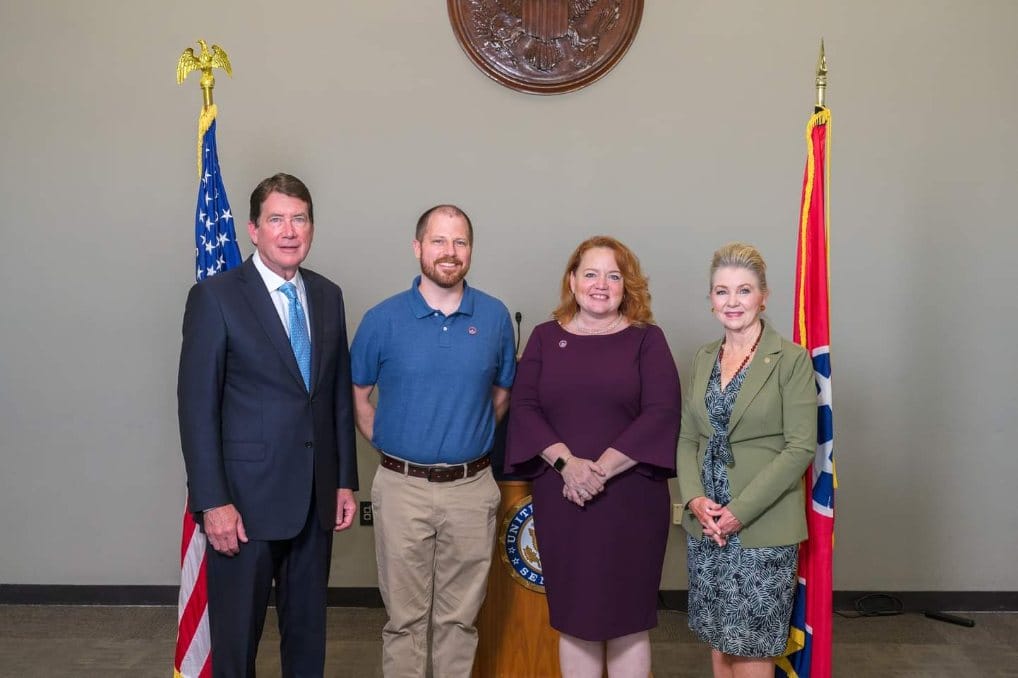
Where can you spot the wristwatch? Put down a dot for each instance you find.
(560, 463)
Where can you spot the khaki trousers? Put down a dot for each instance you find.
(433, 544)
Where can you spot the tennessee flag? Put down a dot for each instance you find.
(808, 654)
(216, 250)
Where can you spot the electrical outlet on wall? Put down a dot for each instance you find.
(367, 517)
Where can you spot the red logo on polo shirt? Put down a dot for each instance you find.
(471, 330)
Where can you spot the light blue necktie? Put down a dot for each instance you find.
(299, 339)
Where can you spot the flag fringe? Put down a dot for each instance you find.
(821, 117)
(796, 641)
(786, 666)
(205, 120)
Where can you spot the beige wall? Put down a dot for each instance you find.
(694, 139)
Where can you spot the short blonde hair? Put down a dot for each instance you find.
(739, 255)
(635, 306)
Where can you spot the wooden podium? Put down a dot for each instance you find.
(514, 637)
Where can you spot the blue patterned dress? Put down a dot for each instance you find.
(740, 599)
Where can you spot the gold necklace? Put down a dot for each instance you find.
(605, 330)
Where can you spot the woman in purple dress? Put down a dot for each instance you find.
(594, 421)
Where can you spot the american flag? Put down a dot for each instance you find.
(215, 239)
(809, 642)
(216, 250)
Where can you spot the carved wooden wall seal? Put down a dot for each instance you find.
(545, 46)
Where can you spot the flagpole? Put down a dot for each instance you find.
(821, 81)
(216, 251)
(809, 648)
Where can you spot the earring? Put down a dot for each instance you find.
(763, 307)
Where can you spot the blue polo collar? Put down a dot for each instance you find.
(422, 310)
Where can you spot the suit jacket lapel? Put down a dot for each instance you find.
(757, 373)
(317, 321)
(702, 372)
(265, 312)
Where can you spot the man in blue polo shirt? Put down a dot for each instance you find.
(441, 355)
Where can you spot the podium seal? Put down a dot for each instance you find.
(518, 545)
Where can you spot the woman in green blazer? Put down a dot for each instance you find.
(748, 433)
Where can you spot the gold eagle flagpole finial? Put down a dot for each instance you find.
(204, 61)
(821, 81)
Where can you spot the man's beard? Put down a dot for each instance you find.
(442, 278)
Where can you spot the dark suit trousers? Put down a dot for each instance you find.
(239, 589)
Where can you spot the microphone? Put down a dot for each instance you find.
(519, 319)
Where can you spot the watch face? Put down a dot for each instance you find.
(545, 46)
(560, 463)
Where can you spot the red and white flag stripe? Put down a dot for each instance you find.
(193, 658)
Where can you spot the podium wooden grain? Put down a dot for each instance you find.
(514, 637)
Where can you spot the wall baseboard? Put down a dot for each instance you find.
(44, 594)
(911, 601)
(920, 601)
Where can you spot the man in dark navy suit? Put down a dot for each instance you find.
(267, 435)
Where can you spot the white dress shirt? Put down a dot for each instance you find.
(273, 282)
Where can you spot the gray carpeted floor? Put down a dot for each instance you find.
(137, 642)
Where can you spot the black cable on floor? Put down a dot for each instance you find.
(875, 605)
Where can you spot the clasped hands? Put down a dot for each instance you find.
(718, 522)
(584, 479)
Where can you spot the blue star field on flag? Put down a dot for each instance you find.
(215, 238)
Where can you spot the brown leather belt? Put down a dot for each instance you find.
(436, 474)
